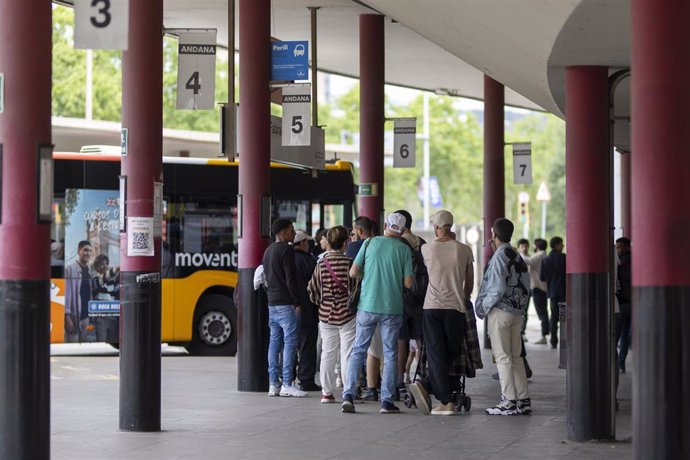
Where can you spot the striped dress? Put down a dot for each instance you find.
(324, 292)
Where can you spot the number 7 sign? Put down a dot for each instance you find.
(101, 24)
(522, 163)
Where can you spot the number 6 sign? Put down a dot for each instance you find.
(101, 24)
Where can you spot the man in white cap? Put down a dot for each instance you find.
(451, 277)
(385, 265)
(309, 316)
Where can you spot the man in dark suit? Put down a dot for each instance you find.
(553, 272)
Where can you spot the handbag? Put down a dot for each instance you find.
(353, 299)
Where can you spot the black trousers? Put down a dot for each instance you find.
(623, 320)
(540, 304)
(553, 321)
(306, 348)
(444, 332)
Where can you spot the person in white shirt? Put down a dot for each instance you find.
(539, 296)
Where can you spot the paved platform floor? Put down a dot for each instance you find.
(204, 416)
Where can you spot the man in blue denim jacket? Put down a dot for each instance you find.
(502, 300)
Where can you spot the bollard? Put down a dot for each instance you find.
(563, 320)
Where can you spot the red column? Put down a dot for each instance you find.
(140, 302)
(25, 61)
(589, 396)
(371, 114)
(661, 214)
(254, 183)
(494, 161)
(626, 214)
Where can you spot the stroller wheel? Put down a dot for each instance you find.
(467, 404)
(459, 402)
(409, 401)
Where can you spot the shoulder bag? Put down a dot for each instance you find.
(353, 300)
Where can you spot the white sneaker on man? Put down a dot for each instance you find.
(292, 391)
(273, 390)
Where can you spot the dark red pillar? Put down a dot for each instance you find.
(589, 398)
(494, 160)
(25, 61)
(371, 113)
(661, 216)
(140, 296)
(626, 210)
(254, 188)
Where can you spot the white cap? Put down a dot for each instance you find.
(395, 222)
(442, 218)
(301, 235)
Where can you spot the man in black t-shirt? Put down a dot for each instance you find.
(283, 309)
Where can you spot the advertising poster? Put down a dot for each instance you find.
(92, 266)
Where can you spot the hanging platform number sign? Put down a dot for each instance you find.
(196, 70)
(296, 125)
(404, 142)
(522, 163)
(101, 24)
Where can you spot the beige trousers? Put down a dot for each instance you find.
(506, 344)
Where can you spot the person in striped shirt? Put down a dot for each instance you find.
(329, 288)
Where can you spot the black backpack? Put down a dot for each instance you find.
(413, 298)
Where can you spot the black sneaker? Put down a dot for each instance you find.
(505, 407)
(388, 407)
(311, 386)
(370, 394)
(524, 406)
(348, 406)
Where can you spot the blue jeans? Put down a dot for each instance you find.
(366, 325)
(283, 322)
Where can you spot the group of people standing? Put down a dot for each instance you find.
(408, 289)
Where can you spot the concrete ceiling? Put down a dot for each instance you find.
(433, 44)
(411, 60)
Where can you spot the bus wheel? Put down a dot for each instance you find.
(215, 331)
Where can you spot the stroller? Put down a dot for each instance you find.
(465, 364)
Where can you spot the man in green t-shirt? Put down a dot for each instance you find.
(385, 265)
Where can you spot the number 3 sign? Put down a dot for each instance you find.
(196, 70)
(101, 24)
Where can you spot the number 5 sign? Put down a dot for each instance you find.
(404, 142)
(101, 24)
(522, 163)
(196, 70)
(296, 129)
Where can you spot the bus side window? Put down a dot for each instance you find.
(57, 240)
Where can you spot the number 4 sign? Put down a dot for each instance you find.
(101, 24)
(296, 129)
(196, 70)
(522, 163)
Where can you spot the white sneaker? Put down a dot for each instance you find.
(292, 391)
(273, 391)
(338, 382)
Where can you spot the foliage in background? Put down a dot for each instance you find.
(456, 144)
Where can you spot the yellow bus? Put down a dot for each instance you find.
(199, 243)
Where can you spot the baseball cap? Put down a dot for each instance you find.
(301, 235)
(442, 218)
(395, 222)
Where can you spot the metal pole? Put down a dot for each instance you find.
(427, 161)
(25, 61)
(544, 204)
(660, 209)
(230, 128)
(371, 115)
(314, 68)
(589, 398)
(255, 190)
(140, 312)
(89, 85)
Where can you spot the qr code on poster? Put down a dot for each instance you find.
(140, 240)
